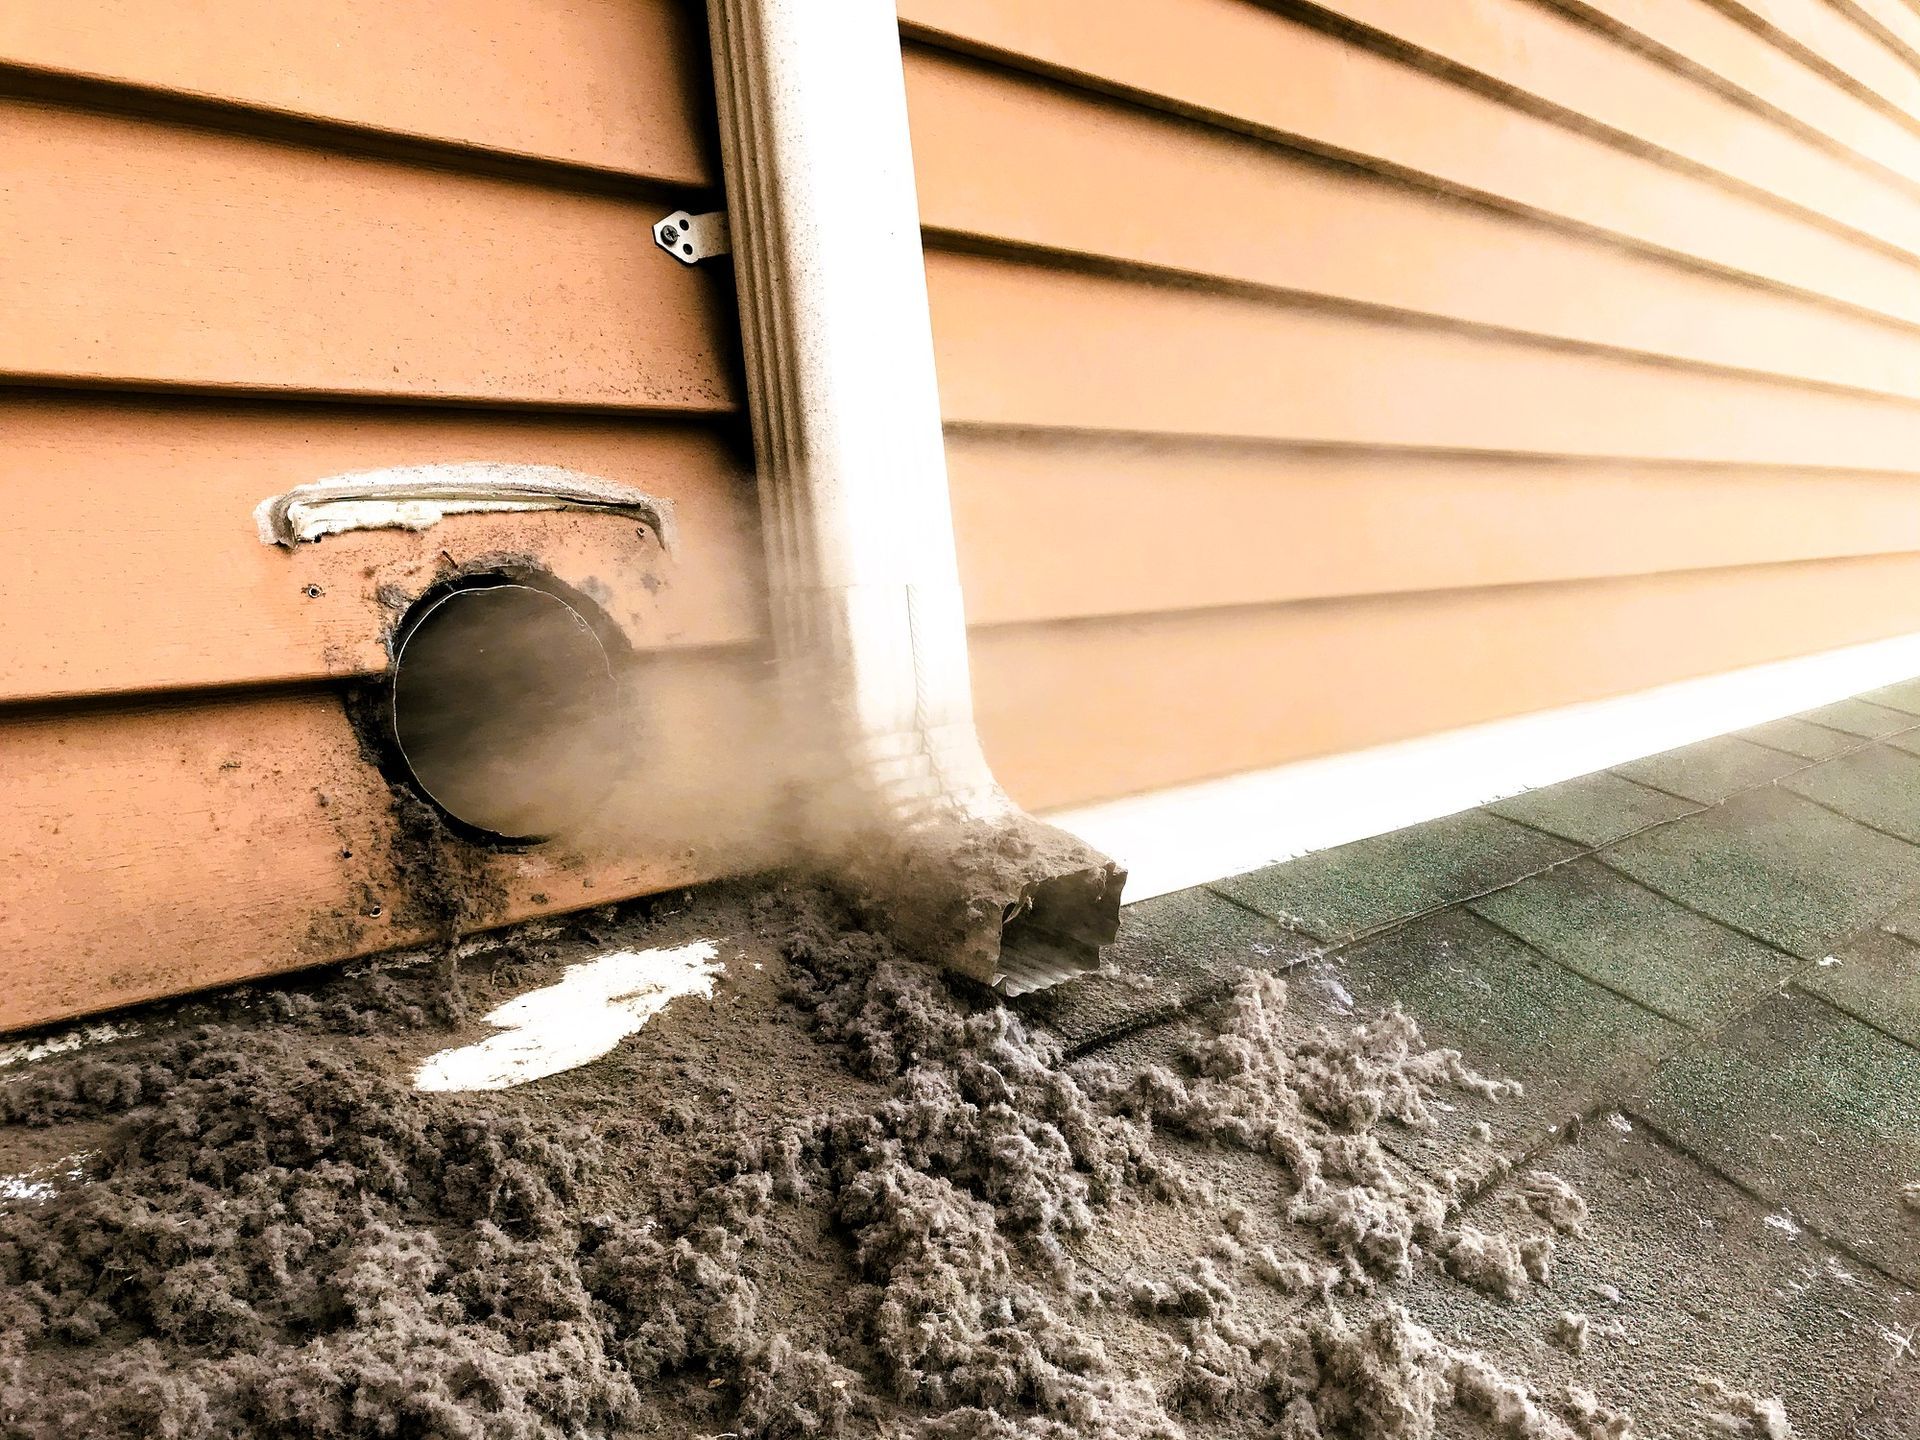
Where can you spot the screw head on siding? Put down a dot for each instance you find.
(693, 238)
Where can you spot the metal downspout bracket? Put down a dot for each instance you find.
(693, 238)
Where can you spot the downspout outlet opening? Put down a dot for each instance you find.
(1059, 926)
(505, 710)
(1011, 901)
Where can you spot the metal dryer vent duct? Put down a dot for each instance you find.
(503, 706)
(852, 472)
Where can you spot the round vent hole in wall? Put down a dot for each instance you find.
(505, 707)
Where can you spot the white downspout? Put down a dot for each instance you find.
(858, 527)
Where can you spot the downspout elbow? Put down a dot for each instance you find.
(864, 584)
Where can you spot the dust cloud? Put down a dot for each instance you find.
(523, 719)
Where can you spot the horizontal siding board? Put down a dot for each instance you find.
(1008, 158)
(1192, 526)
(1218, 59)
(1892, 21)
(1075, 713)
(141, 253)
(155, 851)
(1452, 465)
(195, 200)
(1700, 38)
(1030, 345)
(1824, 35)
(483, 73)
(130, 539)
(1546, 58)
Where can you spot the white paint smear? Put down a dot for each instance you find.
(24, 1187)
(38, 1185)
(580, 1017)
(21, 1052)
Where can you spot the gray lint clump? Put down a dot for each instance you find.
(1735, 1412)
(1313, 1102)
(273, 1240)
(284, 1245)
(1553, 1200)
(1572, 1331)
(1385, 1377)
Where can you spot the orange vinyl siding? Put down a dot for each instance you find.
(1314, 379)
(1560, 69)
(1047, 167)
(1182, 524)
(131, 543)
(1326, 378)
(1022, 344)
(247, 245)
(153, 849)
(480, 75)
(1896, 26)
(1828, 40)
(152, 254)
(1129, 703)
(1713, 47)
(1215, 61)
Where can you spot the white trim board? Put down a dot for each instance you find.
(1173, 839)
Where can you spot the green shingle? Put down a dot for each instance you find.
(1777, 866)
(1859, 716)
(1592, 810)
(1877, 978)
(1877, 786)
(1895, 1413)
(1615, 930)
(1808, 1106)
(1513, 1014)
(1340, 892)
(1901, 695)
(1710, 770)
(1699, 1282)
(1800, 737)
(1171, 950)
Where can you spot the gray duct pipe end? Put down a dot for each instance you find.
(1011, 902)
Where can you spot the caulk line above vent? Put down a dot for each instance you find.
(414, 497)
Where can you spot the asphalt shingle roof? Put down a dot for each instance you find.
(1704, 966)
